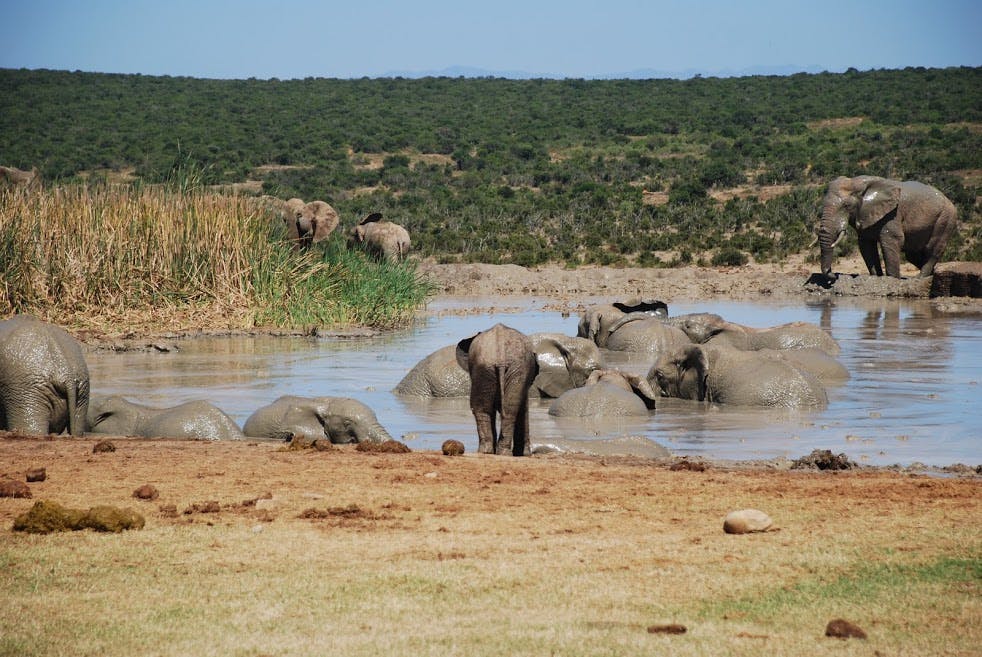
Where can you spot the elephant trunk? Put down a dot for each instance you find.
(376, 433)
(830, 231)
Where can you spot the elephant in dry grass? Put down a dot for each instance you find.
(502, 366)
(306, 223)
(382, 239)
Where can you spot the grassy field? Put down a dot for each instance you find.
(349, 553)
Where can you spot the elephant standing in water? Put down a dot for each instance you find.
(382, 239)
(898, 216)
(44, 380)
(502, 366)
(607, 393)
(724, 375)
(339, 419)
(194, 420)
(564, 362)
(709, 328)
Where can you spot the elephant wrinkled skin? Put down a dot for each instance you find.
(640, 332)
(339, 419)
(896, 216)
(502, 366)
(709, 328)
(607, 393)
(724, 375)
(193, 420)
(596, 322)
(44, 380)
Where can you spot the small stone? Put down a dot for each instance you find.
(670, 628)
(11, 488)
(452, 447)
(843, 629)
(103, 446)
(746, 521)
(146, 492)
(36, 474)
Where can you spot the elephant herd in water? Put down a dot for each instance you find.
(44, 383)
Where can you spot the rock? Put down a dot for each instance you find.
(102, 447)
(670, 628)
(11, 488)
(746, 521)
(36, 474)
(823, 459)
(146, 492)
(452, 448)
(686, 464)
(957, 279)
(843, 629)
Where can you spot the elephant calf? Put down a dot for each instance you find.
(607, 393)
(339, 419)
(193, 420)
(44, 380)
(502, 366)
(383, 239)
(710, 328)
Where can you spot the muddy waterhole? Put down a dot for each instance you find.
(913, 396)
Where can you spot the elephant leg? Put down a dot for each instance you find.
(943, 228)
(514, 413)
(867, 248)
(29, 419)
(485, 431)
(892, 243)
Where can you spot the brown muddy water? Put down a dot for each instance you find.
(914, 395)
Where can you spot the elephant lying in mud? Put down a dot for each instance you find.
(642, 333)
(607, 393)
(709, 328)
(724, 375)
(339, 419)
(382, 239)
(596, 321)
(44, 380)
(194, 420)
(564, 362)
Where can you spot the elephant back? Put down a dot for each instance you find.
(648, 335)
(437, 375)
(598, 400)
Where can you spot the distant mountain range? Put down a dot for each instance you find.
(636, 74)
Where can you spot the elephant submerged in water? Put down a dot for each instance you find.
(338, 419)
(709, 328)
(607, 393)
(564, 362)
(596, 322)
(44, 380)
(906, 217)
(194, 420)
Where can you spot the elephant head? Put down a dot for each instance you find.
(339, 419)
(308, 223)
(681, 373)
(564, 363)
(860, 202)
(638, 385)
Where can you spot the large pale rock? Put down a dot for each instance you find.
(957, 279)
(746, 521)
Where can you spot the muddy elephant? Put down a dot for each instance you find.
(897, 217)
(710, 328)
(607, 393)
(724, 375)
(44, 380)
(596, 321)
(643, 333)
(382, 239)
(339, 419)
(564, 362)
(502, 366)
(193, 420)
(308, 223)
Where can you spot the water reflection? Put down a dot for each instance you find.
(911, 397)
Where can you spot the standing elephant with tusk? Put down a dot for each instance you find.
(908, 217)
(44, 380)
(710, 328)
(308, 223)
(564, 362)
(724, 375)
(193, 420)
(502, 366)
(339, 419)
(383, 239)
(607, 393)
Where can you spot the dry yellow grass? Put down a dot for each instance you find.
(382, 554)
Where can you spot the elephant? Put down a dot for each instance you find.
(14, 177)
(44, 380)
(339, 419)
(710, 328)
(906, 216)
(607, 393)
(724, 375)
(193, 420)
(502, 366)
(644, 333)
(383, 239)
(564, 362)
(596, 321)
(308, 223)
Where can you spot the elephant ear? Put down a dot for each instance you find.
(372, 218)
(567, 357)
(463, 352)
(693, 365)
(651, 306)
(879, 199)
(642, 388)
(324, 220)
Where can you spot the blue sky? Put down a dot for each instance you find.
(548, 38)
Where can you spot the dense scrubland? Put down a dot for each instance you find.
(612, 172)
